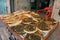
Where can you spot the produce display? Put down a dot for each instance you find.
(27, 22)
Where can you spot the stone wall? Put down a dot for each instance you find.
(22, 4)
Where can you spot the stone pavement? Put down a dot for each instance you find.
(3, 32)
(56, 34)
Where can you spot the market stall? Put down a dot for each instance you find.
(27, 25)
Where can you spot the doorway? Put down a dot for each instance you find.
(12, 6)
(39, 4)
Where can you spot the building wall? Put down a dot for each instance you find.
(22, 4)
(55, 11)
(8, 6)
(4, 6)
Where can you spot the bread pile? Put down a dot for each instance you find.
(28, 22)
